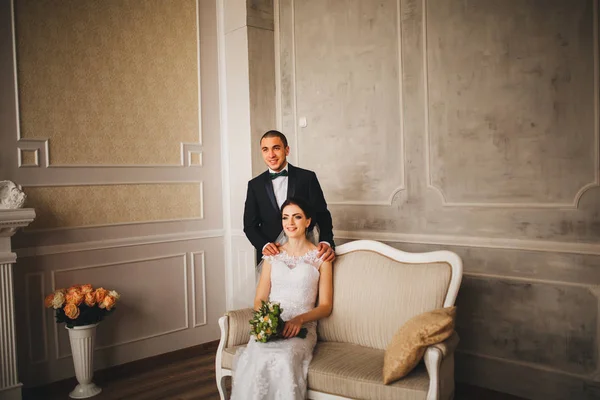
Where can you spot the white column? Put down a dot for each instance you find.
(237, 147)
(10, 221)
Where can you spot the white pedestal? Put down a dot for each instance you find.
(82, 340)
(10, 221)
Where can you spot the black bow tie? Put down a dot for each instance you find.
(274, 175)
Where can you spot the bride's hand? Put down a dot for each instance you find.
(292, 327)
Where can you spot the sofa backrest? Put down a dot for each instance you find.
(377, 288)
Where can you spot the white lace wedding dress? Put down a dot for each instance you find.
(278, 370)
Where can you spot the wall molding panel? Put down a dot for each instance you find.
(288, 119)
(44, 140)
(61, 353)
(445, 198)
(474, 241)
(47, 172)
(101, 205)
(116, 243)
(195, 294)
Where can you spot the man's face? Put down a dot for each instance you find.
(274, 153)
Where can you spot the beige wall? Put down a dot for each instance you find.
(116, 141)
(473, 126)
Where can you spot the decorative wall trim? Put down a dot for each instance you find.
(29, 317)
(294, 83)
(115, 243)
(475, 241)
(279, 110)
(11, 220)
(36, 159)
(138, 339)
(39, 146)
(277, 45)
(477, 275)
(225, 152)
(71, 228)
(194, 297)
(192, 214)
(575, 203)
(8, 258)
(200, 130)
(42, 143)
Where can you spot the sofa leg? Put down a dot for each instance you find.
(221, 386)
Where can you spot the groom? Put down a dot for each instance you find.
(268, 191)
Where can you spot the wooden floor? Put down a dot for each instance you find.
(183, 375)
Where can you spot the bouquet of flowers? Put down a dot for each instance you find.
(81, 304)
(267, 325)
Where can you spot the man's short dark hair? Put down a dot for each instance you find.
(272, 134)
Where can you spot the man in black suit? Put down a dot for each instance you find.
(268, 191)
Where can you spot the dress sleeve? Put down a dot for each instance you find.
(314, 260)
(269, 258)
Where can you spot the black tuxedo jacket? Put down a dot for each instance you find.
(262, 217)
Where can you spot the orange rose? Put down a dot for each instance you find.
(74, 288)
(48, 300)
(71, 310)
(108, 303)
(90, 299)
(86, 288)
(75, 297)
(101, 293)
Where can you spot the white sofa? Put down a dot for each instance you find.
(377, 288)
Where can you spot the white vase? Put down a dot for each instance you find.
(82, 340)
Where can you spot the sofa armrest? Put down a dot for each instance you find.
(238, 326)
(439, 377)
(448, 346)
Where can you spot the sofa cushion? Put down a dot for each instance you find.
(374, 296)
(228, 353)
(410, 342)
(354, 371)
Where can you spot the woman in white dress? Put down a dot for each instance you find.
(295, 278)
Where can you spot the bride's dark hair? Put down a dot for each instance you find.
(304, 206)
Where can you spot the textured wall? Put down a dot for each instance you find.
(473, 126)
(115, 74)
(116, 140)
(78, 206)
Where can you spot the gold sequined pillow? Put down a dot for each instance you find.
(412, 339)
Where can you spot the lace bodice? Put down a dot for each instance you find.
(294, 282)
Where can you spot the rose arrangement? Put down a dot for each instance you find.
(81, 304)
(267, 324)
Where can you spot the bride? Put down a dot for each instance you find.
(295, 278)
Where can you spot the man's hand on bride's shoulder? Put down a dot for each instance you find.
(271, 249)
(326, 253)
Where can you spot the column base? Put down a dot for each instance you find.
(11, 393)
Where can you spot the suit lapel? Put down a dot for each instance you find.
(270, 192)
(291, 181)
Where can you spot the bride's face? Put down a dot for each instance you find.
(294, 221)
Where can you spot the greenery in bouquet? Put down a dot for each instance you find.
(81, 305)
(267, 325)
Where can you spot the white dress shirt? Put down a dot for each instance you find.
(280, 186)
